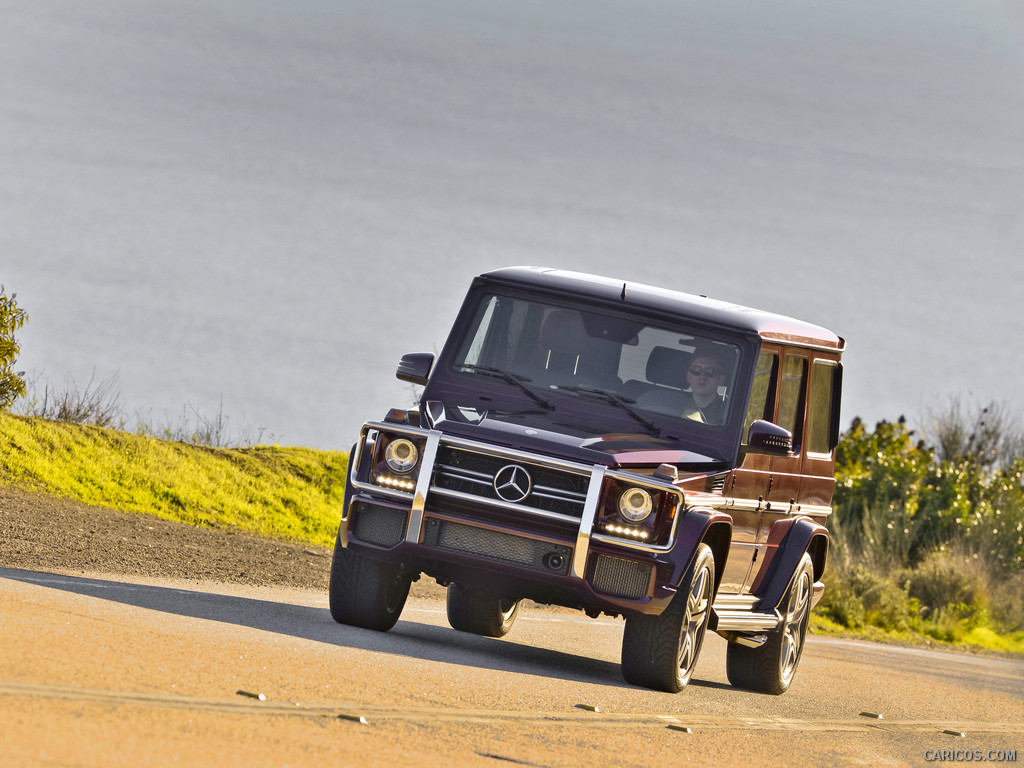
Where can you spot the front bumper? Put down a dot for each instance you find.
(552, 554)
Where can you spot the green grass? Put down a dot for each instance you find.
(975, 640)
(292, 494)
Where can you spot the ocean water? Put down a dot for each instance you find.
(259, 207)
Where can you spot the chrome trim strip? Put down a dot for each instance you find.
(377, 426)
(482, 478)
(419, 501)
(465, 474)
(443, 473)
(393, 426)
(803, 342)
(579, 555)
(502, 504)
(749, 505)
(354, 461)
(735, 602)
(512, 453)
(812, 509)
(558, 494)
(760, 505)
(640, 546)
(745, 621)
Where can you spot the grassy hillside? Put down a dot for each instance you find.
(296, 494)
(283, 493)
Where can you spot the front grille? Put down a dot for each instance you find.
(620, 577)
(377, 524)
(553, 490)
(497, 546)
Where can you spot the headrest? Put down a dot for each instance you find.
(563, 331)
(667, 366)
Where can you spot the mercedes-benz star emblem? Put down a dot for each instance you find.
(512, 483)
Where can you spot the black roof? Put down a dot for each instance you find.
(721, 314)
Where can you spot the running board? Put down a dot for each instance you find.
(745, 622)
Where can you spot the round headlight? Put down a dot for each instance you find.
(635, 504)
(401, 455)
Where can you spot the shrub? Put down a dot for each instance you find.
(842, 603)
(1007, 603)
(98, 404)
(943, 579)
(12, 317)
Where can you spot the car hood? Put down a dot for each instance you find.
(543, 433)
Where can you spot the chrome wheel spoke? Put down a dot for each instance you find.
(686, 650)
(799, 605)
(698, 603)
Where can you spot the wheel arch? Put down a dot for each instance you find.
(705, 526)
(718, 536)
(818, 550)
(796, 537)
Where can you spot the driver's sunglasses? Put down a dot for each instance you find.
(709, 372)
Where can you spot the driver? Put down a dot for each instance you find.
(706, 375)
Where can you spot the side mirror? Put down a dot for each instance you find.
(769, 438)
(415, 367)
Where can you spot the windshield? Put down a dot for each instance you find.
(641, 367)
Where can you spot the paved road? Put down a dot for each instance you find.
(100, 672)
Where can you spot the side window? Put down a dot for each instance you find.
(819, 411)
(762, 402)
(473, 348)
(791, 396)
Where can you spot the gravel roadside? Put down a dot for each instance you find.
(46, 533)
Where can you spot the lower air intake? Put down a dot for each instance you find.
(384, 526)
(497, 546)
(620, 578)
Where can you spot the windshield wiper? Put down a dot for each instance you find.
(487, 370)
(618, 400)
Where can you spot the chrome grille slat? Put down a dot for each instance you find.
(559, 493)
(559, 496)
(443, 472)
(499, 504)
(557, 490)
(467, 474)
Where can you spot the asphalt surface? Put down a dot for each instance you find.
(101, 671)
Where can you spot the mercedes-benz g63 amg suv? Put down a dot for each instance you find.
(610, 447)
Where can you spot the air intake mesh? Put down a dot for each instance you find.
(384, 526)
(619, 577)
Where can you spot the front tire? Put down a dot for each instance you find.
(365, 593)
(661, 652)
(771, 667)
(479, 612)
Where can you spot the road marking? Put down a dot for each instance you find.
(376, 715)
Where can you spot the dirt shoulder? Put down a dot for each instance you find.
(45, 533)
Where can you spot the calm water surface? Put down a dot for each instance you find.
(260, 206)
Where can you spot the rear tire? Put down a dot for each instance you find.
(365, 593)
(770, 668)
(661, 652)
(479, 612)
